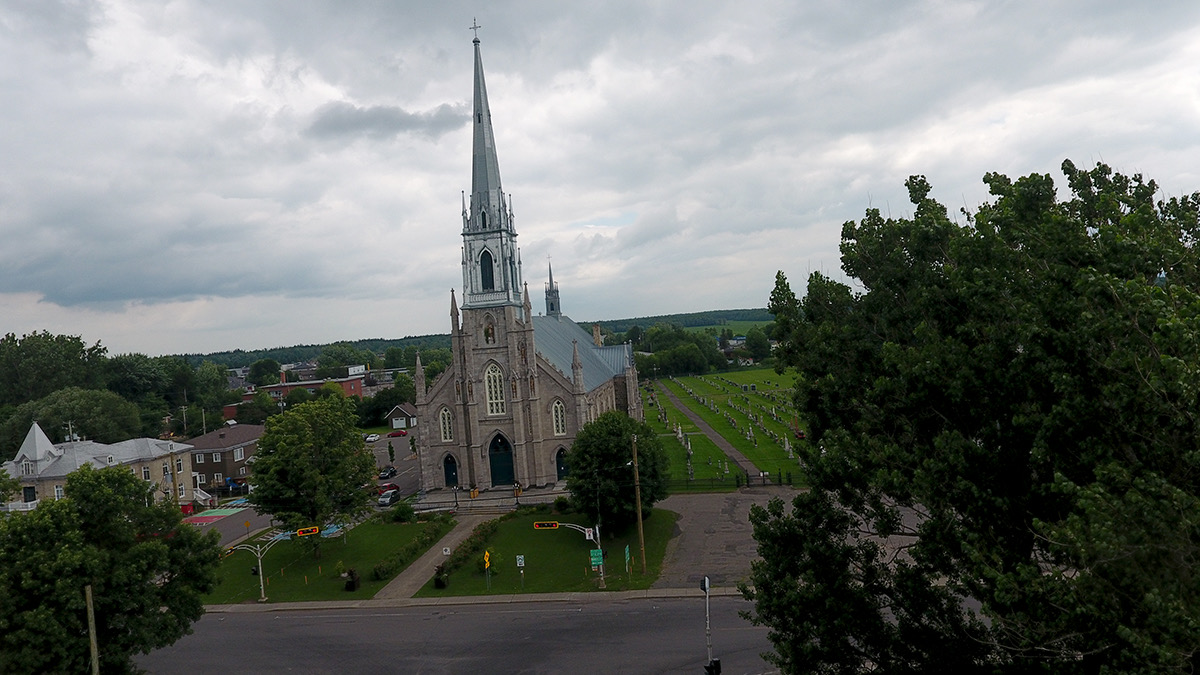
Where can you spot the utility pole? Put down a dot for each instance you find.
(91, 614)
(637, 491)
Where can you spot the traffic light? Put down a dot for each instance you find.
(713, 667)
(545, 525)
(305, 531)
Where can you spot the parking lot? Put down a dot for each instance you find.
(406, 478)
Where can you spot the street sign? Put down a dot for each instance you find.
(487, 560)
(545, 525)
(626, 557)
(445, 550)
(589, 534)
(704, 586)
(520, 561)
(305, 531)
(597, 557)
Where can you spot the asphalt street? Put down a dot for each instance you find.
(594, 635)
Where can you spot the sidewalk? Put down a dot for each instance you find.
(416, 575)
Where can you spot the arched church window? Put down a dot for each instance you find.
(446, 423)
(486, 273)
(559, 412)
(494, 381)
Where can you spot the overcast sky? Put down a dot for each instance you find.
(194, 176)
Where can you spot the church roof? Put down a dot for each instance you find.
(556, 337)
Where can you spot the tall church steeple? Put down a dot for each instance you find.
(553, 308)
(491, 261)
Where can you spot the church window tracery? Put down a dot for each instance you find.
(494, 383)
(559, 412)
(446, 423)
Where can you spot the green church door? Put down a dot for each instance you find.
(561, 460)
(500, 456)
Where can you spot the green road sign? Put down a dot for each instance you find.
(597, 557)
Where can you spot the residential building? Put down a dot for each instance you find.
(223, 458)
(42, 466)
(351, 386)
(403, 416)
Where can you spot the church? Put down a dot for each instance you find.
(520, 387)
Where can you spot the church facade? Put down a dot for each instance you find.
(520, 386)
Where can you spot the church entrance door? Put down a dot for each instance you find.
(500, 456)
(450, 470)
(560, 458)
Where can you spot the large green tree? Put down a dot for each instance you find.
(37, 364)
(264, 372)
(148, 571)
(601, 472)
(1004, 464)
(93, 414)
(311, 465)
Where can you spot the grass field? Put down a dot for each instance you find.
(558, 560)
(708, 474)
(721, 402)
(739, 328)
(293, 574)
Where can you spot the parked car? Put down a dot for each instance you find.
(372, 438)
(387, 472)
(380, 489)
(398, 432)
(390, 497)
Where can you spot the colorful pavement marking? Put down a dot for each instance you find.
(211, 516)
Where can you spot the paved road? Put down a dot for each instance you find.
(713, 536)
(594, 635)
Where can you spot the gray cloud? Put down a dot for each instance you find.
(340, 119)
(226, 174)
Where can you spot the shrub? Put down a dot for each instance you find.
(402, 512)
(562, 505)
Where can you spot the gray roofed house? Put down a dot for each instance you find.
(42, 466)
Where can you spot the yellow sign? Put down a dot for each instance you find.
(487, 560)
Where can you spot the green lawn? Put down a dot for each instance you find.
(293, 574)
(765, 453)
(738, 327)
(708, 474)
(558, 560)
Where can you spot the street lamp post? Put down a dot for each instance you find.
(637, 491)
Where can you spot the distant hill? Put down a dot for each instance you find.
(691, 320)
(239, 358)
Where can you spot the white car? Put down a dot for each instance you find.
(372, 438)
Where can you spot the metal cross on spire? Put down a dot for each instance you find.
(475, 27)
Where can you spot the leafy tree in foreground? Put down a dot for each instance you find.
(601, 470)
(1005, 464)
(148, 571)
(312, 465)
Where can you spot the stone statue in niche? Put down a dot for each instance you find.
(489, 334)
(521, 348)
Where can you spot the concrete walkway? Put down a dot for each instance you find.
(416, 575)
